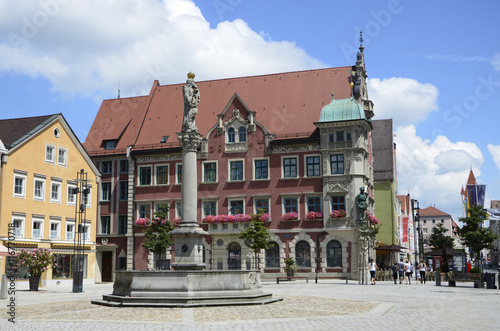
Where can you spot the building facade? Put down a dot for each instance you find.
(281, 143)
(40, 159)
(430, 217)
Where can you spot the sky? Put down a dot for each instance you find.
(433, 67)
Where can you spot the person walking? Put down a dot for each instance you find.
(373, 268)
(408, 272)
(421, 269)
(395, 269)
(401, 266)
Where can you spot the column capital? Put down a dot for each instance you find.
(189, 140)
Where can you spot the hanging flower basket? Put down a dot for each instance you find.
(371, 218)
(314, 216)
(338, 214)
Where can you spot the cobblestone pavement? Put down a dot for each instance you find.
(329, 305)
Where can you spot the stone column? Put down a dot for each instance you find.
(188, 235)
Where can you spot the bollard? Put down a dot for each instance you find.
(3, 290)
(438, 278)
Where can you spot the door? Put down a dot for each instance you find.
(107, 266)
(234, 256)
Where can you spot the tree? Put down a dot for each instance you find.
(473, 234)
(156, 237)
(438, 239)
(257, 235)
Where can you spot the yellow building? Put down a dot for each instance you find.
(40, 158)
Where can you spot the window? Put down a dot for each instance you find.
(61, 156)
(106, 191)
(230, 135)
(261, 205)
(425, 231)
(19, 186)
(242, 134)
(313, 166)
(145, 176)
(209, 208)
(179, 173)
(337, 164)
(442, 221)
(433, 221)
(70, 231)
(123, 190)
(303, 254)
(39, 190)
(37, 229)
(71, 198)
(17, 227)
(236, 207)
(331, 138)
(210, 172)
(122, 224)
(178, 209)
(235, 170)
(54, 230)
(163, 139)
(144, 211)
(86, 233)
(162, 175)
(290, 205)
(123, 166)
(261, 169)
(425, 221)
(122, 263)
(87, 197)
(105, 224)
(348, 136)
(313, 204)
(272, 255)
(289, 167)
(49, 153)
(106, 167)
(339, 135)
(55, 192)
(338, 203)
(110, 144)
(63, 268)
(334, 254)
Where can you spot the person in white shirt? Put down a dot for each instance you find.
(373, 268)
(408, 273)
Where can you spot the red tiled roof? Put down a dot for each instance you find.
(431, 211)
(471, 180)
(286, 104)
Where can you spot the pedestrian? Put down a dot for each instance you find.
(373, 268)
(421, 269)
(401, 266)
(408, 272)
(395, 272)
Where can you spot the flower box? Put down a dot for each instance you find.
(288, 217)
(314, 216)
(338, 214)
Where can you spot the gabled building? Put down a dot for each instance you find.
(280, 143)
(430, 217)
(40, 159)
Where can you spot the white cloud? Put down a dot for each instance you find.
(434, 172)
(133, 42)
(496, 61)
(495, 152)
(405, 100)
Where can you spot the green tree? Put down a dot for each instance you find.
(156, 237)
(257, 235)
(473, 234)
(438, 239)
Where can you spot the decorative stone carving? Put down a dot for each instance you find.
(191, 99)
(337, 186)
(189, 140)
(157, 158)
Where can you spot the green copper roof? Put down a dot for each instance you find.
(342, 110)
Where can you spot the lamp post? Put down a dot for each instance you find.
(416, 229)
(81, 193)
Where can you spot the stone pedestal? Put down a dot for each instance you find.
(188, 235)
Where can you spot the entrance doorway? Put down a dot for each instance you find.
(234, 256)
(107, 266)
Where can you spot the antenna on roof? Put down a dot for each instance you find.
(118, 90)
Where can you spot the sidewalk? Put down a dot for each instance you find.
(327, 305)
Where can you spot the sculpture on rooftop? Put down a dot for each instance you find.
(191, 99)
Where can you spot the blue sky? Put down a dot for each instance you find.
(433, 66)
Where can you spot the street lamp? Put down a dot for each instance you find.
(81, 192)
(415, 206)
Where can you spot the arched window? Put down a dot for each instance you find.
(334, 254)
(242, 134)
(230, 135)
(273, 255)
(234, 256)
(303, 254)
